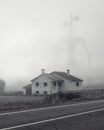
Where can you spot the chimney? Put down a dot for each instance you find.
(68, 71)
(42, 71)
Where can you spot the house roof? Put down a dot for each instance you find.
(28, 86)
(66, 76)
(63, 75)
(52, 77)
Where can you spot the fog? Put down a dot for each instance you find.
(36, 34)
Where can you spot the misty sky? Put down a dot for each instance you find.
(33, 35)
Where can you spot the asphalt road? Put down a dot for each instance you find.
(25, 119)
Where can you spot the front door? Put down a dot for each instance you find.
(60, 86)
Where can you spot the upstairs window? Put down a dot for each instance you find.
(37, 84)
(45, 84)
(77, 84)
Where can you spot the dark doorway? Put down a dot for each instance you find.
(28, 91)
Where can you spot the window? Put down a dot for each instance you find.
(59, 83)
(77, 84)
(54, 83)
(45, 92)
(37, 83)
(45, 84)
(37, 92)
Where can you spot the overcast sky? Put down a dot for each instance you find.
(33, 35)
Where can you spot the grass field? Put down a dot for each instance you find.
(19, 102)
(6, 99)
(26, 102)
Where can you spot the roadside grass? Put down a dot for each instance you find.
(28, 102)
(19, 102)
(12, 103)
(6, 99)
(9, 103)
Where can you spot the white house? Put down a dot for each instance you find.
(55, 82)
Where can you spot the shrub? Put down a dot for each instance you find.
(69, 96)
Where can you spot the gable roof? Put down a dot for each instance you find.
(52, 77)
(63, 75)
(66, 76)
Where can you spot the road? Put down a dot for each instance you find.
(34, 119)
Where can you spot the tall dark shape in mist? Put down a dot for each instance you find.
(72, 46)
(2, 86)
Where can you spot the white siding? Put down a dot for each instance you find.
(41, 88)
(69, 85)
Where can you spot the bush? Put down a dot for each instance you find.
(62, 97)
(69, 96)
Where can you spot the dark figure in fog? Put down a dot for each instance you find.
(2, 86)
